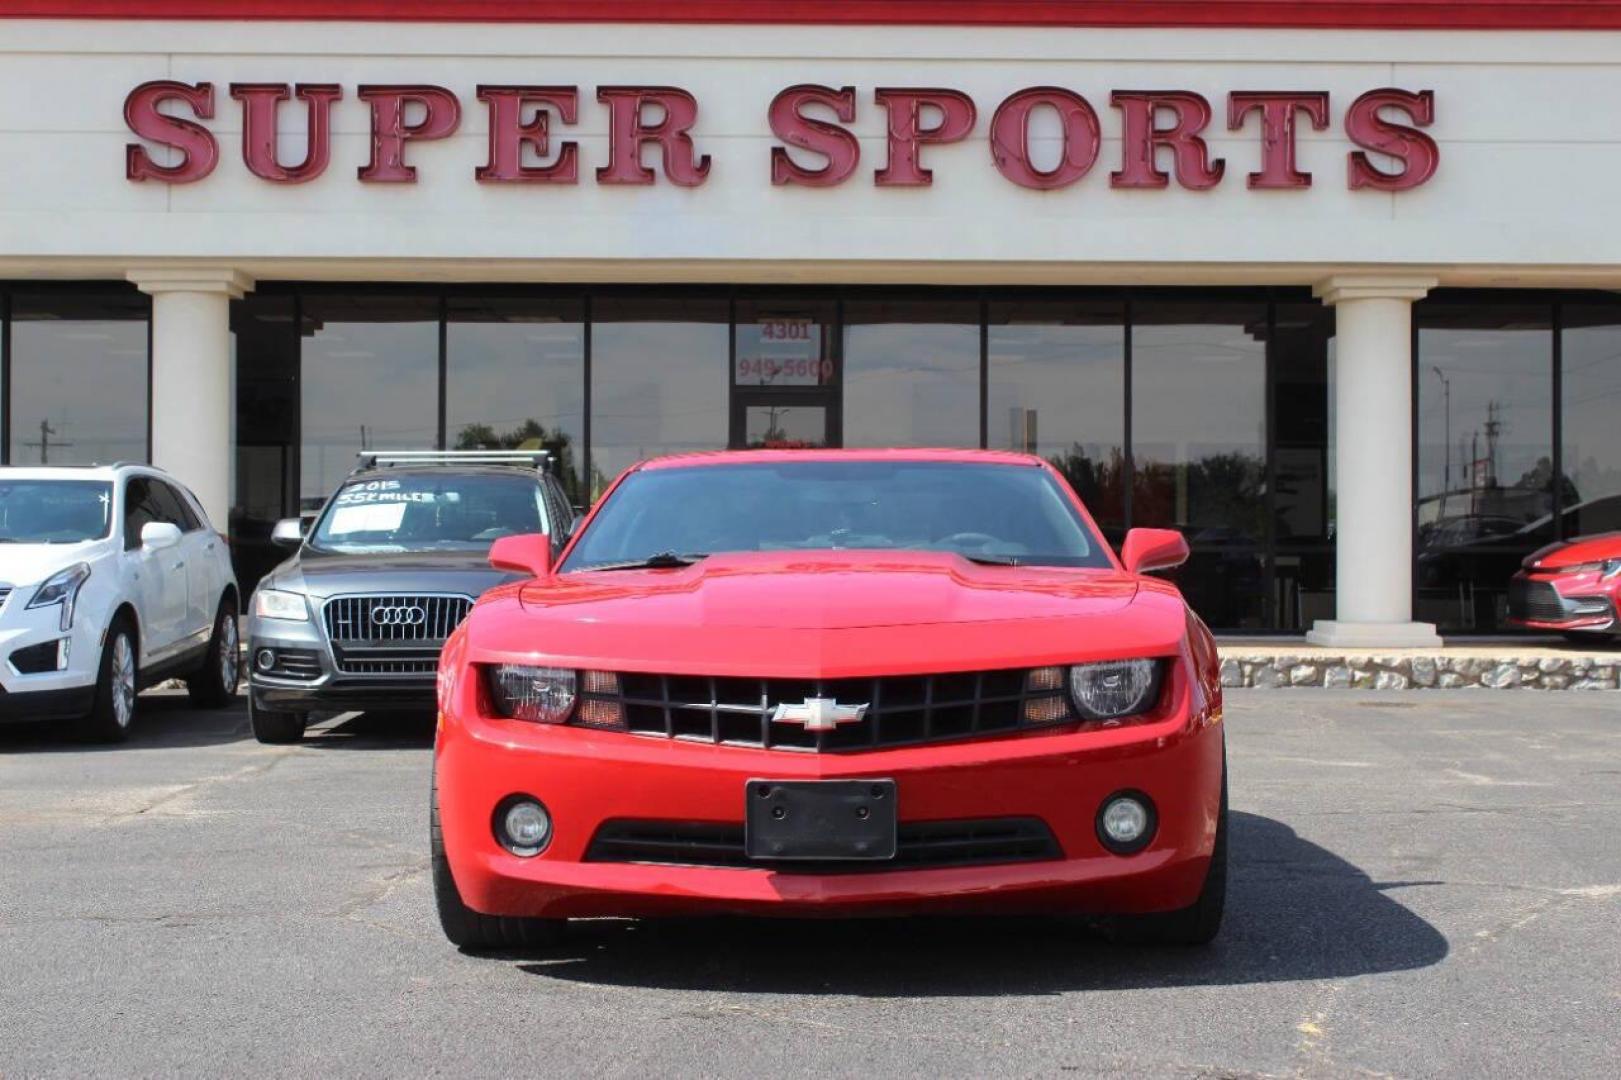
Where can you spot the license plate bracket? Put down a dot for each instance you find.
(825, 820)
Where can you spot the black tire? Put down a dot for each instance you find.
(1198, 923)
(118, 679)
(213, 686)
(271, 726)
(469, 929)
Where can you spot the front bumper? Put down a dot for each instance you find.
(330, 690)
(586, 779)
(62, 690)
(1563, 602)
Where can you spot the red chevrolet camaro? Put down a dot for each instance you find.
(1573, 586)
(832, 683)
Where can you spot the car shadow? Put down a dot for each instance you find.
(372, 731)
(164, 719)
(1295, 911)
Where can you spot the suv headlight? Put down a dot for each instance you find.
(62, 588)
(542, 695)
(1114, 688)
(272, 604)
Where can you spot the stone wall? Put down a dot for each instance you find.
(1421, 672)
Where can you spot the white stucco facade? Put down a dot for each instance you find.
(1528, 125)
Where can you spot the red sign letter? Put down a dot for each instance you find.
(442, 113)
(1417, 151)
(1139, 109)
(199, 153)
(839, 145)
(907, 134)
(1010, 137)
(1278, 108)
(627, 132)
(259, 102)
(510, 133)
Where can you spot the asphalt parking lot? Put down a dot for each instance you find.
(1424, 884)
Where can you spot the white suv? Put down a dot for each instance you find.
(111, 579)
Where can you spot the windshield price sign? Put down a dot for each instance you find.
(782, 351)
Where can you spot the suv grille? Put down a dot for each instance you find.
(1537, 601)
(921, 844)
(393, 634)
(901, 709)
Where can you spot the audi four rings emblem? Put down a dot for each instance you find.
(398, 615)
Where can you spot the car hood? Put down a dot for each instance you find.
(28, 564)
(829, 614)
(323, 574)
(829, 591)
(1585, 549)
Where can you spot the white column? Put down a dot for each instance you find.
(192, 382)
(1373, 412)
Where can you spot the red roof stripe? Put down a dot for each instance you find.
(1318, 14)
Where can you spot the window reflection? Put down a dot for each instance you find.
(79, 385)
(911, 373)
(370, 382)
(1591, 356)
(658, 380)
(1485, 455)
(1199, 443)
(1057, 387)
(515, 379)
(1303, 453)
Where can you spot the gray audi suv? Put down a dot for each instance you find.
(355, 619)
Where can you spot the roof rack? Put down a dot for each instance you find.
(382, 459)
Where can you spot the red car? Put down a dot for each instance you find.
(839, 683)
(1573, 586)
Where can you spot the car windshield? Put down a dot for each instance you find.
(1000, 513)
(428, 512)
(54, 511)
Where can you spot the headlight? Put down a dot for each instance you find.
(543, 695)
(63, 588)
(1114, 688)
(1607, 569)
(270, 604)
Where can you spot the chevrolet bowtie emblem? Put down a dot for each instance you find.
(819, 714)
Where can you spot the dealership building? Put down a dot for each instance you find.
(1329, 285)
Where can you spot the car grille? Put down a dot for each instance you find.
(5, 591)
(393, 634)
(1537, 601)
(920, 845)
(900, 709)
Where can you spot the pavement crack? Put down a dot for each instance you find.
(256, 769)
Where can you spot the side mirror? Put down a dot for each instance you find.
(530, 553)
(157, 535)
(289, 532)
(1153, 549)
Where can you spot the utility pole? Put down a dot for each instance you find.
(44, 443)
(1446, 468)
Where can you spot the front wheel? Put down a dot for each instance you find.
(213, 686)
(274, 726)
(469, 929)
(117, 679)
(1198, 923)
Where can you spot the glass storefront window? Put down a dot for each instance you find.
(1199, 445)
(911, 373)
(1302, 465)
(1057, 387)
(79, 377)
(658, 379)
(265, 341)
(1484, 498)
(1591, 393)
(370, 382)
(515, 379)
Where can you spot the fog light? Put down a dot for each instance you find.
(1126, 822)
(265, 659)
(523, 826)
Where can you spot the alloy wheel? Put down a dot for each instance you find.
(123, 674)
(230, 647)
